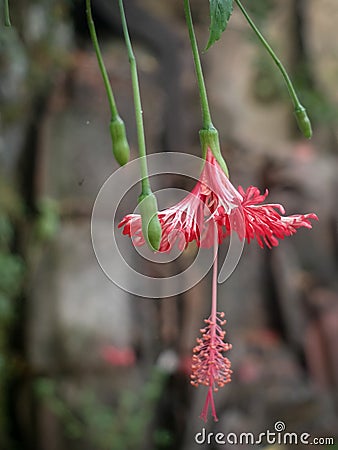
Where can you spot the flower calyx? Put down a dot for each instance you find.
(210, 140)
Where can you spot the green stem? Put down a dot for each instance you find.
(208, 134)
(279, 64)
(207, 123)
(7, 16)
(110, 95)
(137, 103)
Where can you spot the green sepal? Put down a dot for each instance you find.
(220, 13)
(120, 144)
(303, 121)
(151, 227)
(209, 139)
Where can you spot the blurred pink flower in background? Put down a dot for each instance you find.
(120, 357)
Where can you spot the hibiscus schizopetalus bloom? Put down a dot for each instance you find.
(214, 204)
(214, 201)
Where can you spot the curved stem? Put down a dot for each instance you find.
(110, 95)
(137, 102)
(7, 15)
(207, 123)
(279, 64)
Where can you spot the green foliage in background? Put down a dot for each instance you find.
(268, 86)
(11, 276)
(32, 52)
(122, 426)
(323, 109)
(47, 221)
(260, 10)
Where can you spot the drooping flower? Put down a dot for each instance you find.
(214, 203)
(263, 222)
(192, 219)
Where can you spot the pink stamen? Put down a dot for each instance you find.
(210, 367)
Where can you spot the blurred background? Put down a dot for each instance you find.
(84, 365)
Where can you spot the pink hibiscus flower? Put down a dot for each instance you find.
(214, 203)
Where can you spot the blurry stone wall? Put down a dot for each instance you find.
(83, 336)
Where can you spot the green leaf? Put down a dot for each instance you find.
(220, 12)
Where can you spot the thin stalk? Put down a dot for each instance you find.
(137, 103)
(214, 283)
(207, 123)
(110, 95)
(279, 64)
(7, 15)
(213, 325)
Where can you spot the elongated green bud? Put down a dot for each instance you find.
(121, 149)
(303, 121)
(151, 227)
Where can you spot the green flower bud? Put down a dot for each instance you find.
(121, 149)
(303, 121)
(151, 227)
